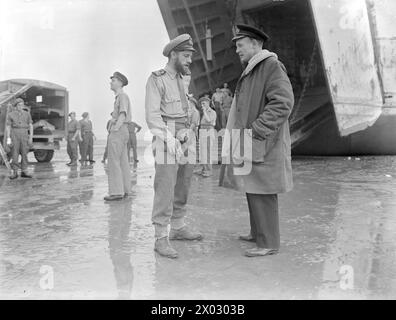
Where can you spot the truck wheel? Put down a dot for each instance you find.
(43, 155)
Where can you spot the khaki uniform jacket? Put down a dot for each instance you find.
(162, 100)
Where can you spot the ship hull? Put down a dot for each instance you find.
(339, 56)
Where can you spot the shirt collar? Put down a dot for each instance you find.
(171, 72)
(118, 93)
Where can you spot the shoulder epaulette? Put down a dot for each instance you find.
(159, 73)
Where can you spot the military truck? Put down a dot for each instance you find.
(49, 107)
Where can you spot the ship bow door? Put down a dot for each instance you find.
(344, 35)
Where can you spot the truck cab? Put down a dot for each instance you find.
(49, 107)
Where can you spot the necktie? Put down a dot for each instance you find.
(182, 92)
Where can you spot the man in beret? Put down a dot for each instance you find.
(262, 104)
(19, 129)
(73, 135)
(167, 114)
(119, 174)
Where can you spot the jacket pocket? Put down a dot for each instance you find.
(173, 106)
(260, 148)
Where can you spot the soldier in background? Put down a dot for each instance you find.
(227, 102)
(73, 135)
(19, 131)
(119, 174)
(207, 122)
(86, 146)
(217, 99)
(226, 90)
(133, 128)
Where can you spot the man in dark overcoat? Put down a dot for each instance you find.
(262, 104)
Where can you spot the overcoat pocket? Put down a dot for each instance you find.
(259, 150)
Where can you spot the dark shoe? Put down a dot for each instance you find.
(126, 195)
(103, 161)
(260, 252)
(92, 161)
(72, 164)
(184, 234)
(14, 175)
(68, 164)
(248, 238)
(164, 248)
(113, 198)
(25, 175)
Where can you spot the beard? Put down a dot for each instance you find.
(181, 68)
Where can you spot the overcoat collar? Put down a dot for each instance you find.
(256, 59)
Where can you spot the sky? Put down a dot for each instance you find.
(79, 44)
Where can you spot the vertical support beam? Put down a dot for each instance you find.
(201, 51)
(374, 35)
(209, 54)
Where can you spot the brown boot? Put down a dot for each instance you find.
(184, 234)
(164, 248)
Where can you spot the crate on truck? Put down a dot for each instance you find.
(49, 108)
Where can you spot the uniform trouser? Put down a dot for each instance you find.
(20, 139)
(72, 149)
(171, 186)
(206, 154)
(119, 174)
(132, 144)
(225, 115)
(81, 147)
(264, 219)
(87, 146)
(106, 152)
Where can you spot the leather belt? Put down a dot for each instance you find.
(178, 120)
(206, 126)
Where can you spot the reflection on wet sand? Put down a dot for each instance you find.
(361, 253)
(120, 245)
(340, 215)
(73, 173)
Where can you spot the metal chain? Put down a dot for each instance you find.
(305, 86)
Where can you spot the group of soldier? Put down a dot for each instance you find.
(80, 136)
(261, 106)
